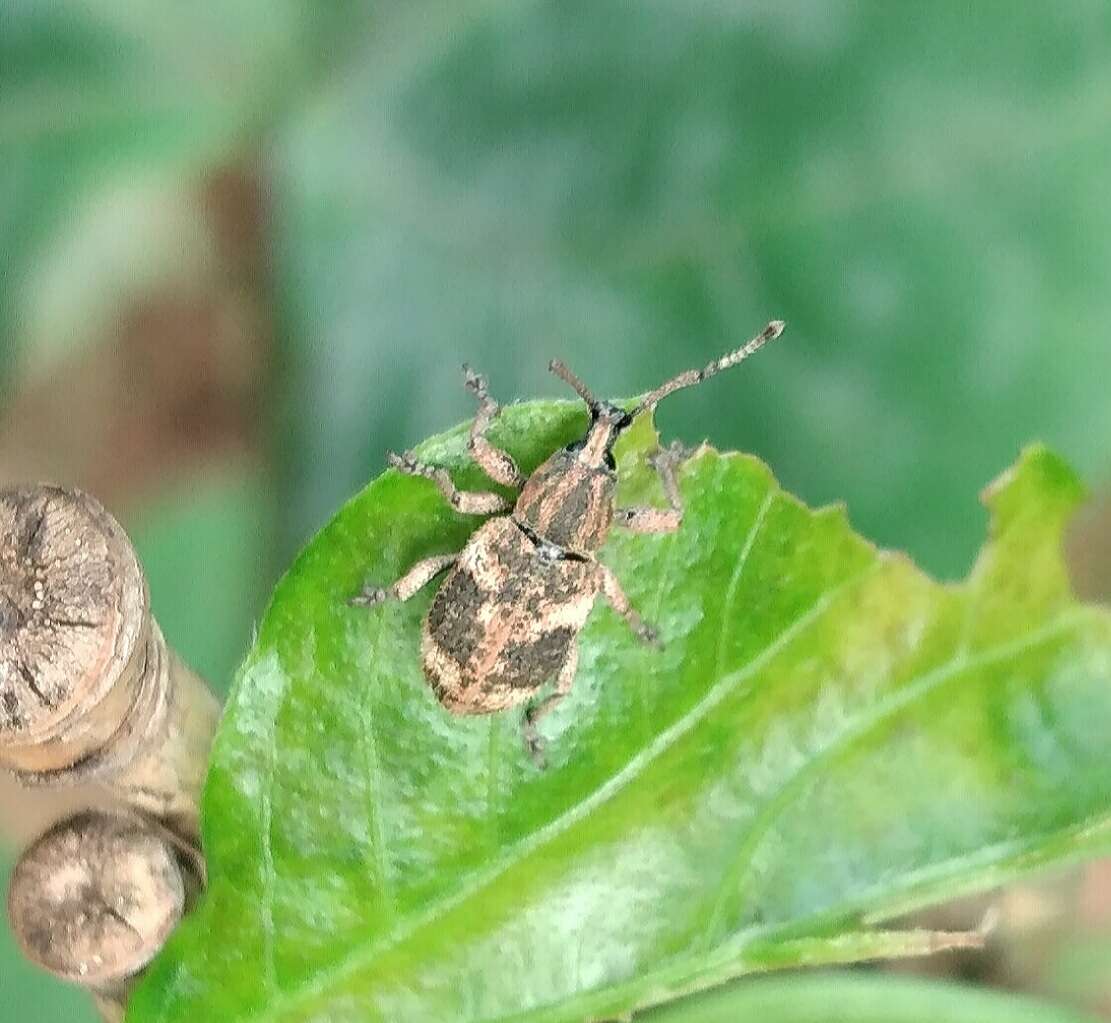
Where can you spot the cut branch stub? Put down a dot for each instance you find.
(74, 628)
(94, 899)
(88, 688)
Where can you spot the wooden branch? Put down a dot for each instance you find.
(89, 690)
(94, 899)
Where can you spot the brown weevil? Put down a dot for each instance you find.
(507, 617)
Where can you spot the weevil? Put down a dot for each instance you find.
(506, 619)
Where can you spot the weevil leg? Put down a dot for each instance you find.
(611, 587)
(646, 519)
(538, 711)
(469, 502)
(497, 464)
(419, 575)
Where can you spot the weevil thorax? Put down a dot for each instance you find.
(568, 501)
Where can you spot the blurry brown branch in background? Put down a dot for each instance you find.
(1089, 550)
(169, 389)
(170, 379)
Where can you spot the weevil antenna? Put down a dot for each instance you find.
(564, 374)
(696, 376)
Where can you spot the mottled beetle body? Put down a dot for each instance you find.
(502, 619)
(507, 617)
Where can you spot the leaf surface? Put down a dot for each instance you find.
(827, 738)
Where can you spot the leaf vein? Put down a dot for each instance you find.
(916, 689)
(372, 770)
(686, 974)
(268, 879)
(734, 580)
(493, 762)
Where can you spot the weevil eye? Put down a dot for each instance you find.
(610, 463)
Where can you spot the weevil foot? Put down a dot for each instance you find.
(672, 456)
(650, 635)
(534, 743)
(474, 382)
(405, 462)
(369, 597)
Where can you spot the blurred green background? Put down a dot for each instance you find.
(245, 246)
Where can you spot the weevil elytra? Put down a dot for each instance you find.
(506, 619)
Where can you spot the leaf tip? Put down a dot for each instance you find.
(1040, 477)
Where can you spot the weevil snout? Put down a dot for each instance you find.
(607, 422)
(612, 415)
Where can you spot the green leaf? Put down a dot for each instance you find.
(827, 737)
(856, 998)
(919, 190)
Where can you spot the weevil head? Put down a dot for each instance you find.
(568, 501)
(607, 423)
